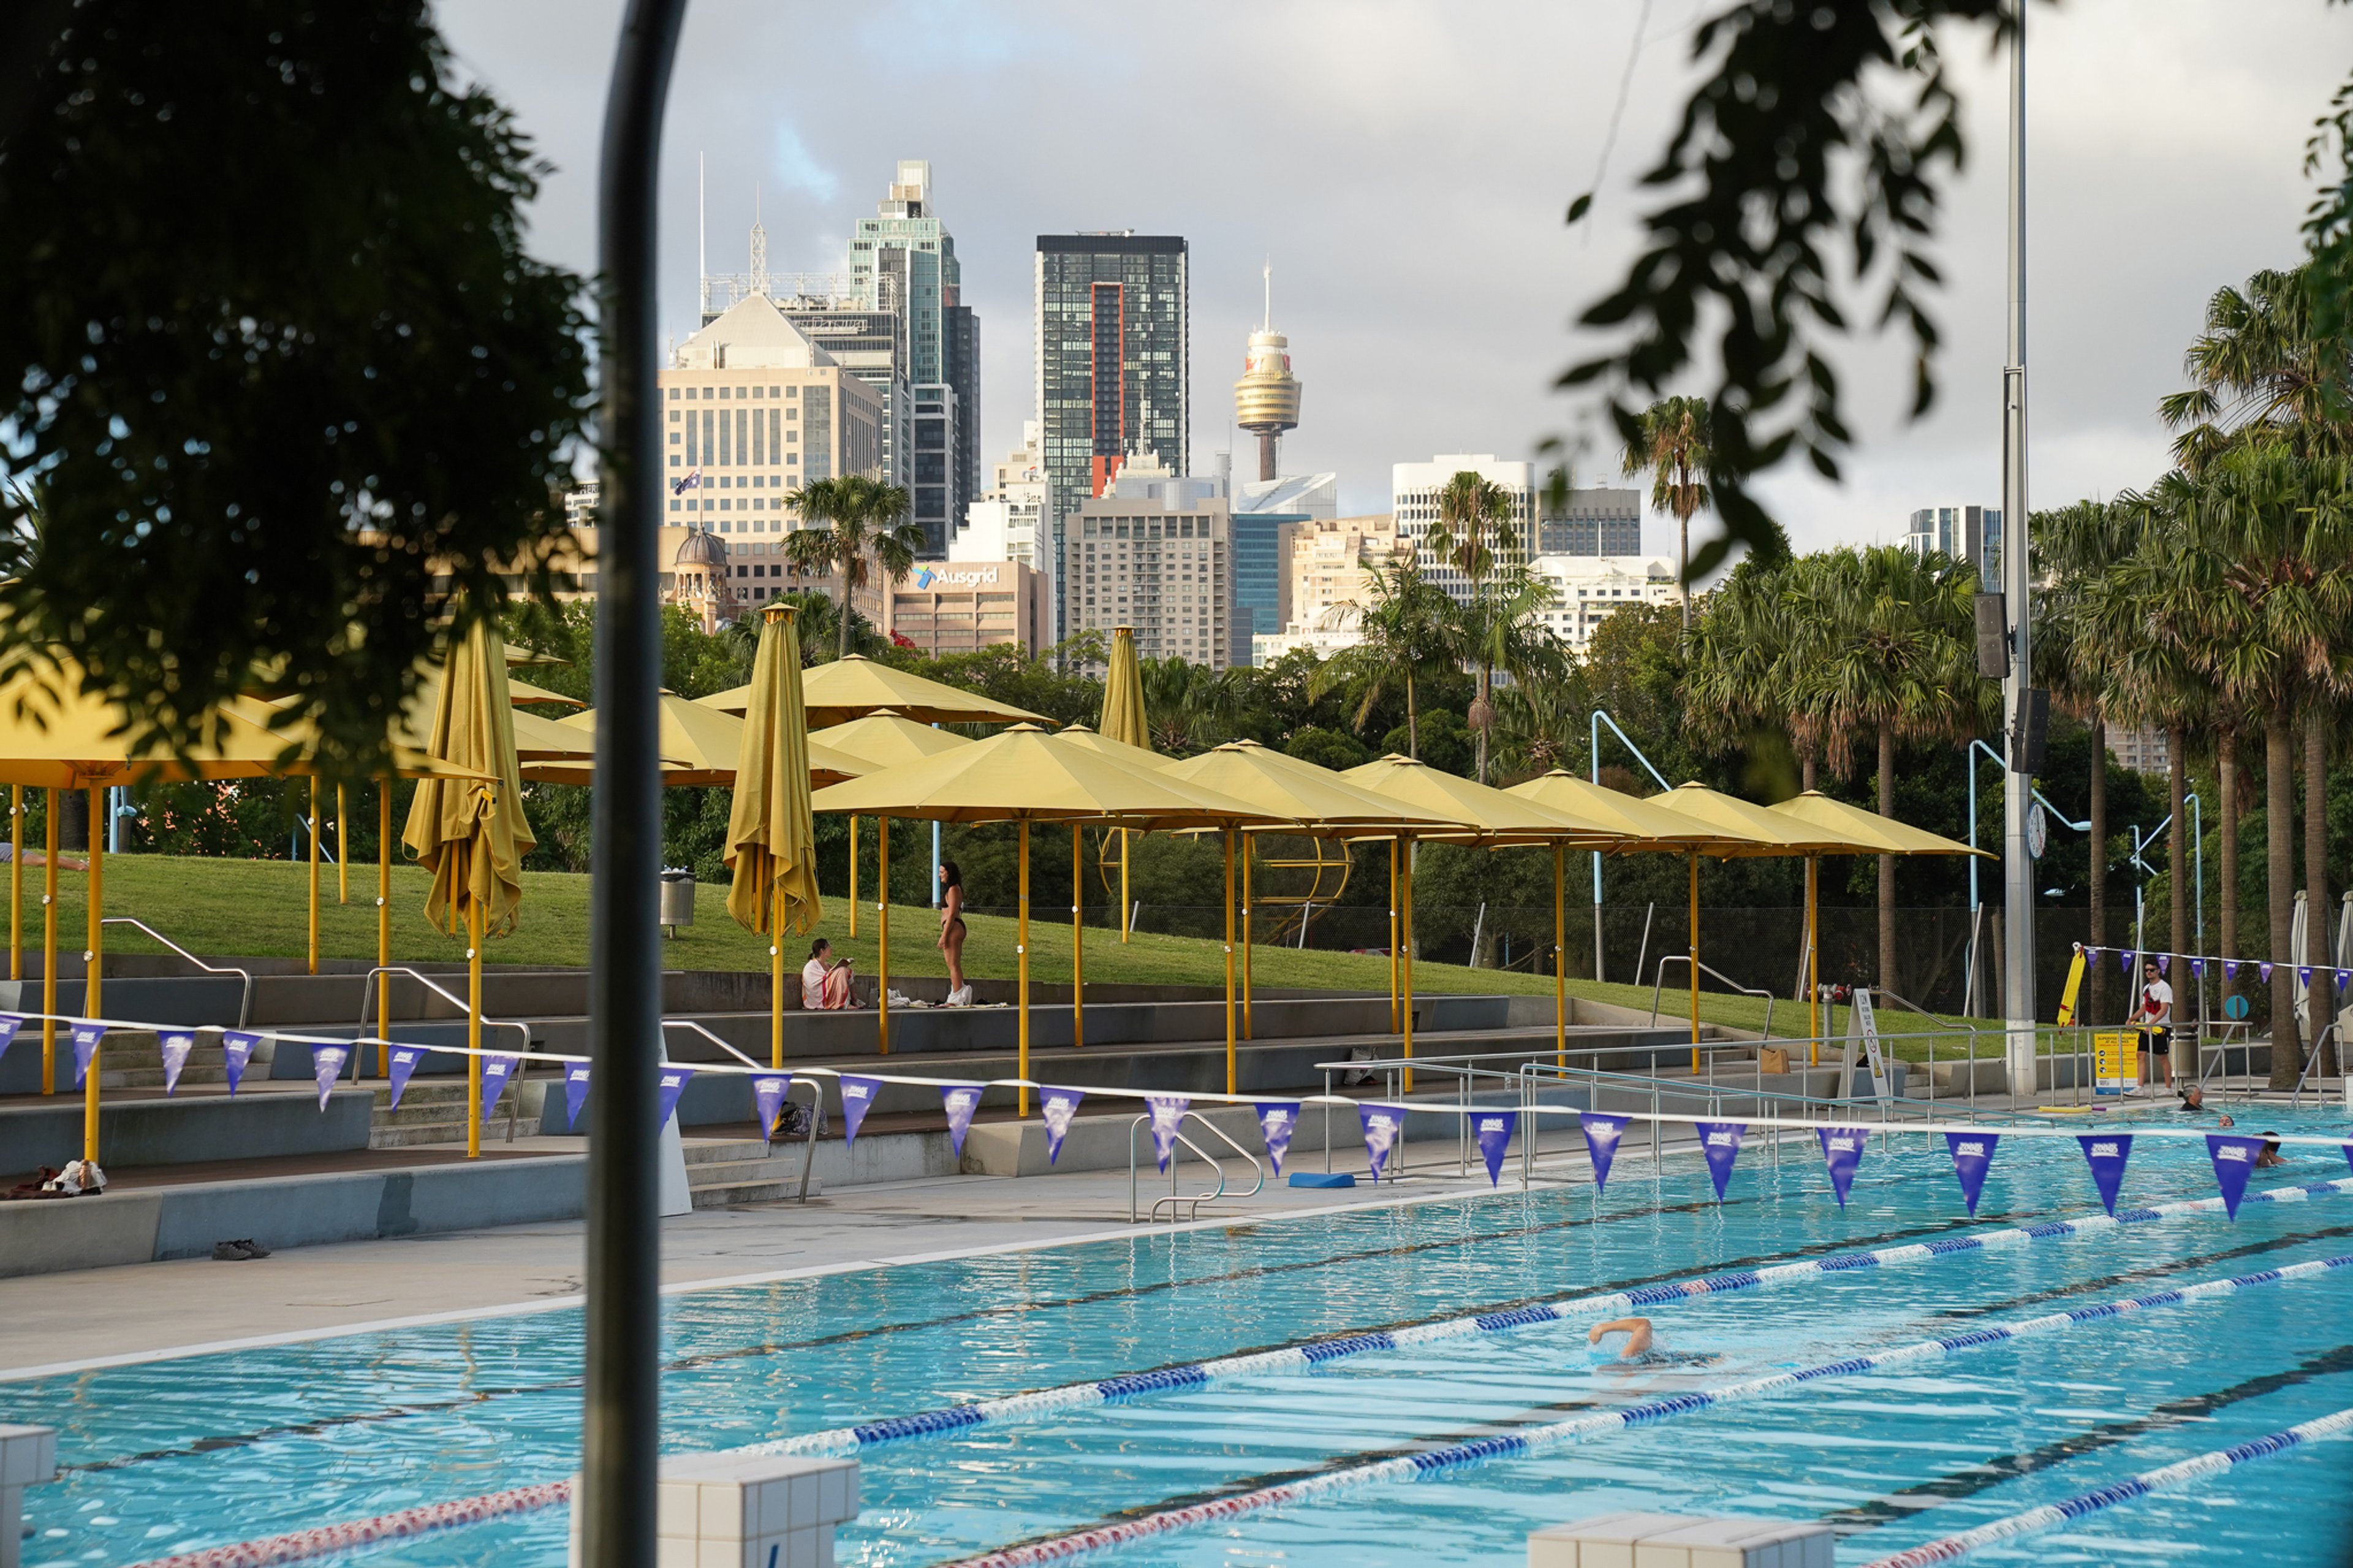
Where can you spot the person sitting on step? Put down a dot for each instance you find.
(825, 985)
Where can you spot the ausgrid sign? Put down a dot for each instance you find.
(949, 577)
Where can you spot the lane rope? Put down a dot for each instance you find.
(1954, 1547)
(1542, 1438)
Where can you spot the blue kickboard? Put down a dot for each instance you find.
(1322, 1179)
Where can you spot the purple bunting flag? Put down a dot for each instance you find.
(575, 1092)
(1168, 1113)
(2123, 961)
(1384, 1130)
(1601, 1135)
(176, 1046)
(237, 1051)
(496, 1069)
(2303, 974)
(961, 1099)
(2230, 969)
(404, 1060)
(669, 1082)
(2198, 968)
(1843, 1152)
(1492, 1130)
(2348, 1154)
(326, 1066)
(857, 1099)
(1277, 1120)
(1972, 1155)
(768, 1099)
(2266, 970)
(9, 1024)
(2107, 1156)
(2165, 963)
(2234, 1161)
(1720, 1141)
(1057, 1106)
(85, 1046)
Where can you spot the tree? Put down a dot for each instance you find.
(862, 523)
(1742, 676)
(1186, 706)
(1669, 442)
(293, 391)
(1407, 638)
(1473, 534)
(1502, 628)
(1887, 651)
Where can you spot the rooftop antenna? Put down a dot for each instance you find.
(1266, 322)
(759, 246)
(701, 247)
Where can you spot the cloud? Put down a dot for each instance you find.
(799, 169)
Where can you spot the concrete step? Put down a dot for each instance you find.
(725, 1173)
(721, 1152)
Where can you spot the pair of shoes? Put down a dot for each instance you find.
(961, 997)
(239, 1251)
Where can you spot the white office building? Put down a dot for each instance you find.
(1588, 589)
(1415, 488)
(1009, 521)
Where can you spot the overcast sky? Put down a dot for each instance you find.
(1407, 164)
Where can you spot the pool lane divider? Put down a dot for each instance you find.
(1542, 1438)
(407, 1524)
(1954, 1547)
(845, 1440)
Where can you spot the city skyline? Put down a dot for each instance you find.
(1422, 272)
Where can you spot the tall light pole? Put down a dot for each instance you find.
(2018, 863)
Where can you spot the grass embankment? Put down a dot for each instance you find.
(259, 907)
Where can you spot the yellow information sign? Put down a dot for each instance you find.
(2115, 1061)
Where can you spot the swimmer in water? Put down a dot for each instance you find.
(2193, 1102)
(1639, 1351)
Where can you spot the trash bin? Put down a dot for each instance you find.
(676, 899)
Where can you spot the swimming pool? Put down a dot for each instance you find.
(173, 1455)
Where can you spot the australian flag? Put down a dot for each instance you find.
(680, 487)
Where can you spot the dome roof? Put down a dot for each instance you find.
(701, 548)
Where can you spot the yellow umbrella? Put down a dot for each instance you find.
(854, 687)
(1023, 776)
(1817, 810)
(771, 838)
(471, 834)
(1124, 722)
(885, 739)
(1497, 819)
(523, 693)
(698, 746)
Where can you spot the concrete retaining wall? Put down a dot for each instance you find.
(210, 1126)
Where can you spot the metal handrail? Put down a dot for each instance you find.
(817, 1095)
(723, 1045)
(244, 1002)
(1196, 1201)
(2313, 1060)
(368, 990)
(1659, 984)
(1950, 1025)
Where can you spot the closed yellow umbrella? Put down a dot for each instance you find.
(771, 836)
(1024, 775)
(1124, 722)
(1819, 811)
(471, 834)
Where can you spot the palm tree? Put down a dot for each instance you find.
(1741, 676)
(1188, 707)
(1502, 629)
(867, 527)
(1408, 634)
(1473, 534)
(1671, 444)
(1886, 650)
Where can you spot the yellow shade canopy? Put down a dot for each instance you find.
(53, 737)
(698, 746)
(1319, 802)
(1819, 813)
(884, 740)
(471, 834)
(1024, 772)
(1645, 825)
(1493, 816)
(1748, 829)
(854, 687)
(523, 691)
(771, 835)
(1124, 717)
(1120, 750)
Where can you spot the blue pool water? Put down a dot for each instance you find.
(200, 1451)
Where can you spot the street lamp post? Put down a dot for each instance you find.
(2018, 865)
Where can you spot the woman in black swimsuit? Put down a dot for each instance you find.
(952, 932)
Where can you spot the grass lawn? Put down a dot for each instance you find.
(258, 908)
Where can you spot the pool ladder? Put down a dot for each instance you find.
(1189, 1201)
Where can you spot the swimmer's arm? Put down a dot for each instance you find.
(1635, 1329)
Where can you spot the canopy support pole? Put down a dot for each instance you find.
(1249, 1015)
(1229, 962)
(1079, 936)
(1814, 962)
(475, 1109)
(314, 870)
(1126, 908)
(853, 881)
(343, 847)
(1393, 936)
(1559, 953)
(882, 929)
(17, 883)
(383, 921)
(775, 985)
(94, 969)
(1405, 948)
(1692, 951)
(1021, 953)
(50, 951)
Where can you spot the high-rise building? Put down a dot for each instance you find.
(1588, 589)
(1266, 399)
(1266, 514)
(1328, 564)
(1971, 533)
(871, 344)
(1113, 368)
(1415, 488)
(1593, 522)
(904, 259)
(1154, 551)
(1008, 523)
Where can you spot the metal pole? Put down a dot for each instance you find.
(1078, 938)
(17, 883)
(1692, 953)
(93, 970)
(2018, 865)
(343, 847)
(1559, 953)
(622, 1400)
(1021, 954)
(49, 949)
(314, 869)
(475, 1109)
(882, 932)
(1250, 1019)
(383, 920)
(853, 876)
(1393, 936)
(1230, 966)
